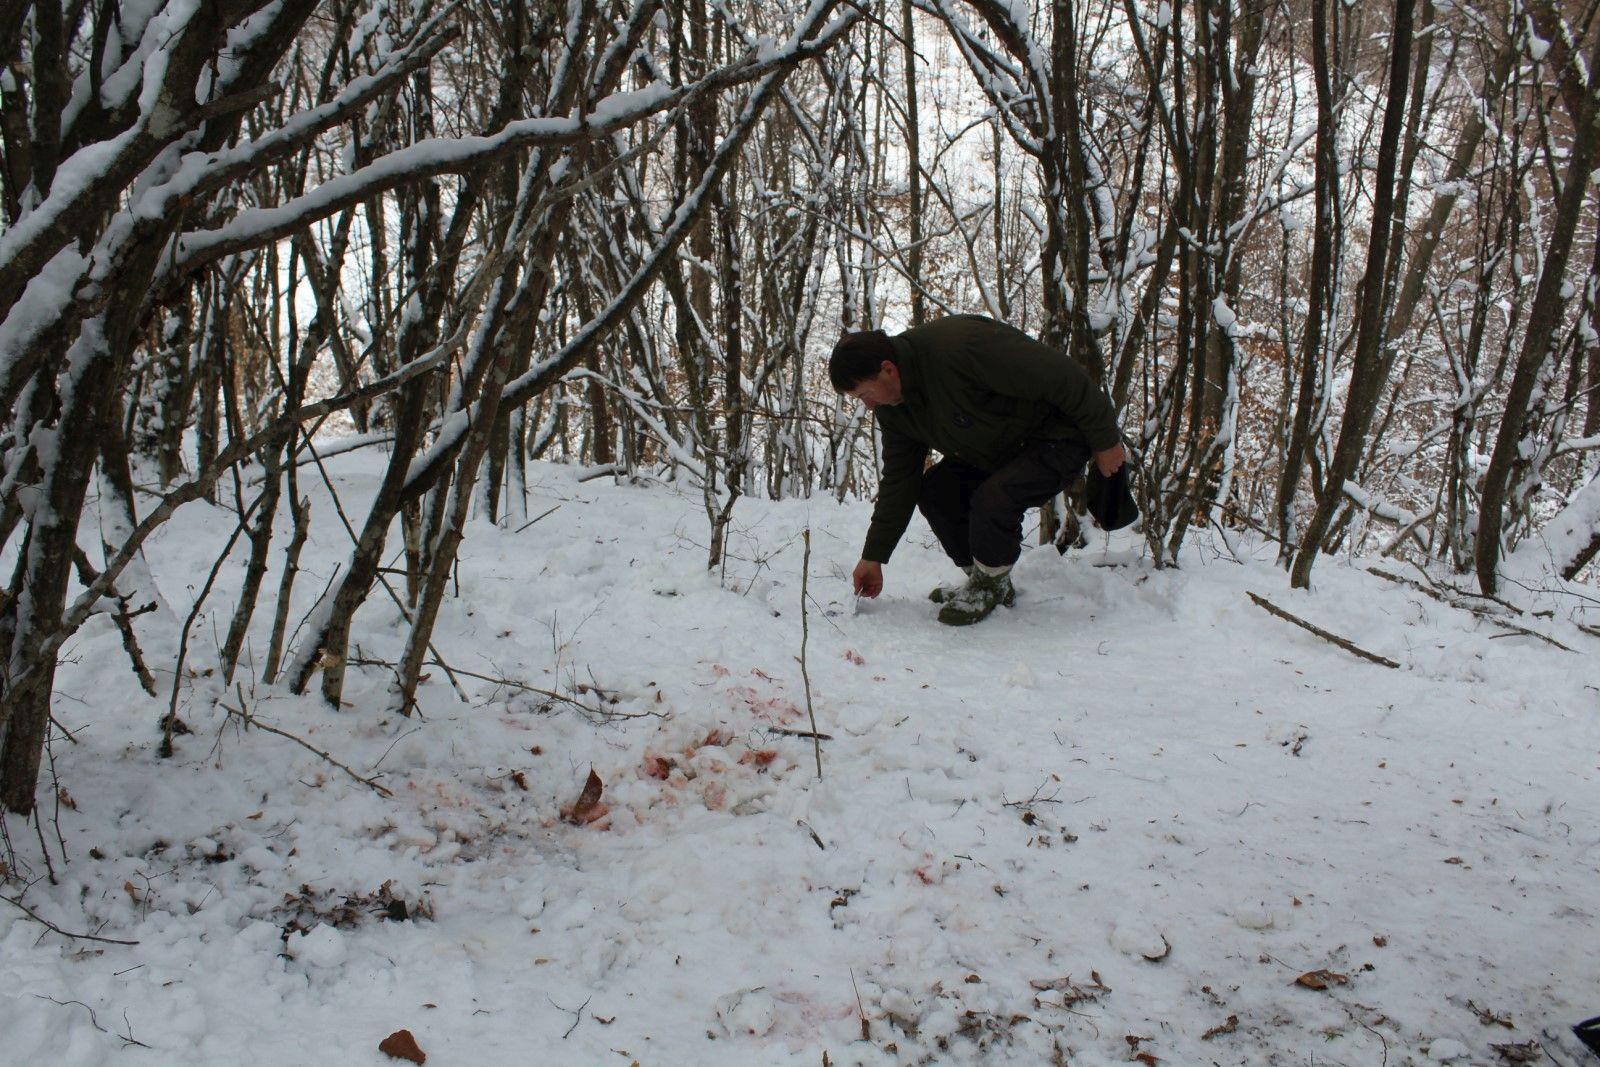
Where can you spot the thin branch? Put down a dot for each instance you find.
(805, 636)
(1268, 606)
(249, 720)
(36, 917)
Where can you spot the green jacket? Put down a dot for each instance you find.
(979, 391)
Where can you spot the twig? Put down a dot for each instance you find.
(799, 733)
(130, 643)
(866, 1028)
(1510, 627)
(805, 634)
(1034, 799)
(250, 720)
(390, 749)
(577, 1016)
(814, 835)
(123, 619)
(169, 723)
(127, 1038)
(44, 849)
(55, 796)
(1508, 605)
(36, 917)
(512, 683)
(531, 521)
(1273, 609)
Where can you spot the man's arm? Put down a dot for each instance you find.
(903, 459)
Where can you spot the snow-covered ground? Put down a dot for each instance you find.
(1114, 823)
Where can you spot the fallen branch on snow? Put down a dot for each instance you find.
(126, 1039)
(53, 928)
(798, 733)
(249, 720)
(1348, 646)
(1510, 627)
(594, 713)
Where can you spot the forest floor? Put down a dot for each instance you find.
(1134, 818)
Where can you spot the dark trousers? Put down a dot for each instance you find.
(977, 514)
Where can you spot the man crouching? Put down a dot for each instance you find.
(1015, 422)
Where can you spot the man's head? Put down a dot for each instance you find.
(863, 365)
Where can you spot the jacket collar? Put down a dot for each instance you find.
(909, 362)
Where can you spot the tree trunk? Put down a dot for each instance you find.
(1366, 382)
(1543, 320)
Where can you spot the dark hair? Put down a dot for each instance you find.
(859, 356)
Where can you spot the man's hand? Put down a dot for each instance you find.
(868, 578)
(1111, 460)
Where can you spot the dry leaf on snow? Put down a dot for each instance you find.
(1322, 978)
(401, 1045)
(587, 808)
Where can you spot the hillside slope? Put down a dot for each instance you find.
(1118, 820)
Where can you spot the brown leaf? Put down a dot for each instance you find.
(1166, 950)
(1527, 1052)
(521, 780)
(400, 1045)
(1147, 1059)
(1380, 941)
(587, 808)
(1222, 1028)
(1321, 978)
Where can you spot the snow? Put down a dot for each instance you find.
(41, 305)
(1563, 538)
(1133, 805)
(1225, 317)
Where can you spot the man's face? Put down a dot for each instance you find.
(879, 390)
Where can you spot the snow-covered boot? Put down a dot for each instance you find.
(940, 593)
(986, 589)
